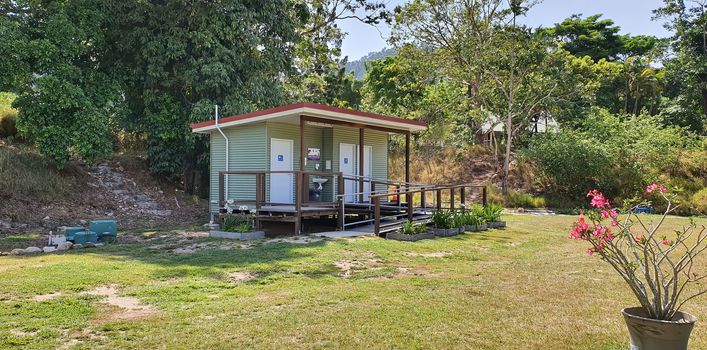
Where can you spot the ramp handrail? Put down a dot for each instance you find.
(409, 195)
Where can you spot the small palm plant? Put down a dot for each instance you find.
(443, 219)
(410, 228)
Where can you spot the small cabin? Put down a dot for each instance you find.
(305, 161)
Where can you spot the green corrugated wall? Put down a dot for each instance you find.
(250, 150)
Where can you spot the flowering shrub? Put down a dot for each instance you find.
(657, 268)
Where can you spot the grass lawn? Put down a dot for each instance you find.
(525, 287)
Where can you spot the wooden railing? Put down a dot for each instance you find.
(301, 190)
(422, 192)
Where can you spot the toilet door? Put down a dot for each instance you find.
(281, 159)
(347, 156)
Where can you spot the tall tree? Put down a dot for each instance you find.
(176, 59)
(599, 39)
(52, 59)
(316, 76)
(686, 71)
(508, 73)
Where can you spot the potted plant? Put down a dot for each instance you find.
(475, 219)
(492, 215)
(657, 267)
(443, 223)
(459, 221)
(411, 232)
(239, 225)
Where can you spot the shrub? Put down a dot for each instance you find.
(492, 212)
(238, 224)
(616, 153)
(410, 228)
(8, 121)
(443, 219)
(523, 200)
(474, 216)
(699, 201)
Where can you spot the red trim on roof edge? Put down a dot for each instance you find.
(306, 105)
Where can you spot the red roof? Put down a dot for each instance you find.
(307, 105)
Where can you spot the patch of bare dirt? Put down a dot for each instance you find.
(241, 276)
(413, 271)
(123, 308)
(295, 240)
(348, 267)
(45, 297)
(429, 255)
(196, 247)
(78, 337)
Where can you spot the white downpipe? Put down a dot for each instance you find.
(227, 157)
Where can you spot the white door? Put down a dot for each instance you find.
(347, 155)
(367, 165)
(281, 159)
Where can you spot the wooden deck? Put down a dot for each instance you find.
(391, 203)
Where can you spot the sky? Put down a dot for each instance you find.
(633, 16)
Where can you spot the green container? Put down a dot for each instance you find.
(103, 227)
(85, 237)
(71, 231)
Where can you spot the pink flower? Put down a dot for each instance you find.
(655, 186)
(639, 239)
(598, 200)
(578, 229)
(667, 242)
(614, 223)
(609, 214)
(590, 251)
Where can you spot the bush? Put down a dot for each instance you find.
(699, 201)
(523, 200)
(492, 212)
(410, 228)
(238, 224)
(8, 122)
(620, 154)
(443, 219)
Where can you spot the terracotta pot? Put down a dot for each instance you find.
(650, 334)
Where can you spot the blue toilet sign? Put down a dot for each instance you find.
(280, 158)
(346, 161)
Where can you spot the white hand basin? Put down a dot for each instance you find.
(320, 181)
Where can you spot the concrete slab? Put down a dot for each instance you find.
(342, 234)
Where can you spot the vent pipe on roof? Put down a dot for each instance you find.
(227, 157)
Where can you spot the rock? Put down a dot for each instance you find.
(99, 244)
(4, 224)
(89, 245)
(4, 253)
(77, 246)
(83, 222)
(49, 249)
(520, 210)
(17, 251)
(64, 246)
(46, 218)
(33, 250)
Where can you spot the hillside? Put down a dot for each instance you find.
(358, 67)
(36, 198)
